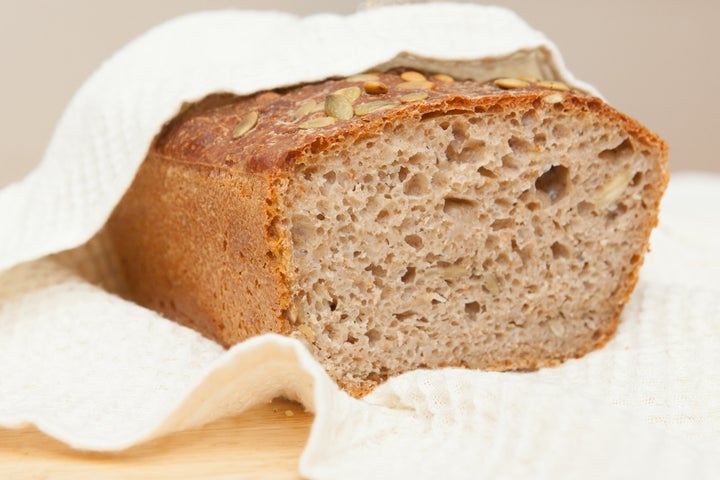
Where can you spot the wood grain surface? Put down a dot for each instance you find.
(264, 442)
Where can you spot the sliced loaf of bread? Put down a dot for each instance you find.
(396, 221)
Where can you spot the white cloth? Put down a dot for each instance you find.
(100, 373)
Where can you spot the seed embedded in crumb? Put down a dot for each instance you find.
(554, 85)
(510, 83)
(414, 97)
(305, 108)
(338, 106)
(613, 189)
(247, 123)
(441, 77)
(553, 98)
(363, 77)
(491, 283)
(454, 271)
(413, 76)
(289, 413)
(416, 85)
(351, 93)
(557, 328)
(370, 107)
(317, 123)
(375, 88)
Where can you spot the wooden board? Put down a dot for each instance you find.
(261, 443)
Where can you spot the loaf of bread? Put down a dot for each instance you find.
(398, 220)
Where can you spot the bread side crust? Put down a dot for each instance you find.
(200, 246)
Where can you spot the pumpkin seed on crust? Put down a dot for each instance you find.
(247, 123)
(413, 76)
(375, 88)
(510, 83)
(442, 77)
(416, 85)
(305, 108)
(337, 105)
(351, 93)
(370, 107)
(554, 85)
(414, 97)
(317, 123)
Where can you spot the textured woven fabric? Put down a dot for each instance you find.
(100, 373)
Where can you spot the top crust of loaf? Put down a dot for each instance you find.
(203, 132)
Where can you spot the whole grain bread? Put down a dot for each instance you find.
(396, 221)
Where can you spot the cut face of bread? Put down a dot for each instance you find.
(479, 228)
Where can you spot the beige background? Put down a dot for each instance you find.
(655, 60)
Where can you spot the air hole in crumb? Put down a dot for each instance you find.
(309, 172)
(373, 335)
(637, 178)
(351, 340)
(502, 223)
(510, 162)
(486, 172)
(376, 270)
(330, 177)
(472, 308)
(520, 145)
(416, 159)
(458, 207)
(553, 182)
(559, 250)
(584, 207)
(402, 316)
(409, 275)
(530, 117)
(414, 241)
(333, 305)
(417, 185)
(624, 150)
(382, 215)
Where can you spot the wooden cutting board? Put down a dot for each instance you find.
(264, 442)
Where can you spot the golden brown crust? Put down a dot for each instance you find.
(203, 134)
(198, 245)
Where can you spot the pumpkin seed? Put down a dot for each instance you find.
(375, 88)
(416, 85)
(509, 83)
(351, 93)
(553, 85)
(337, 105)
(412, 76)
(370, 107)
(414, 97)
(317, 123)
(247, 123)
(441, 77)
(304, 109)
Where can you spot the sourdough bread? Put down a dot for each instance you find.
(396, 221)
